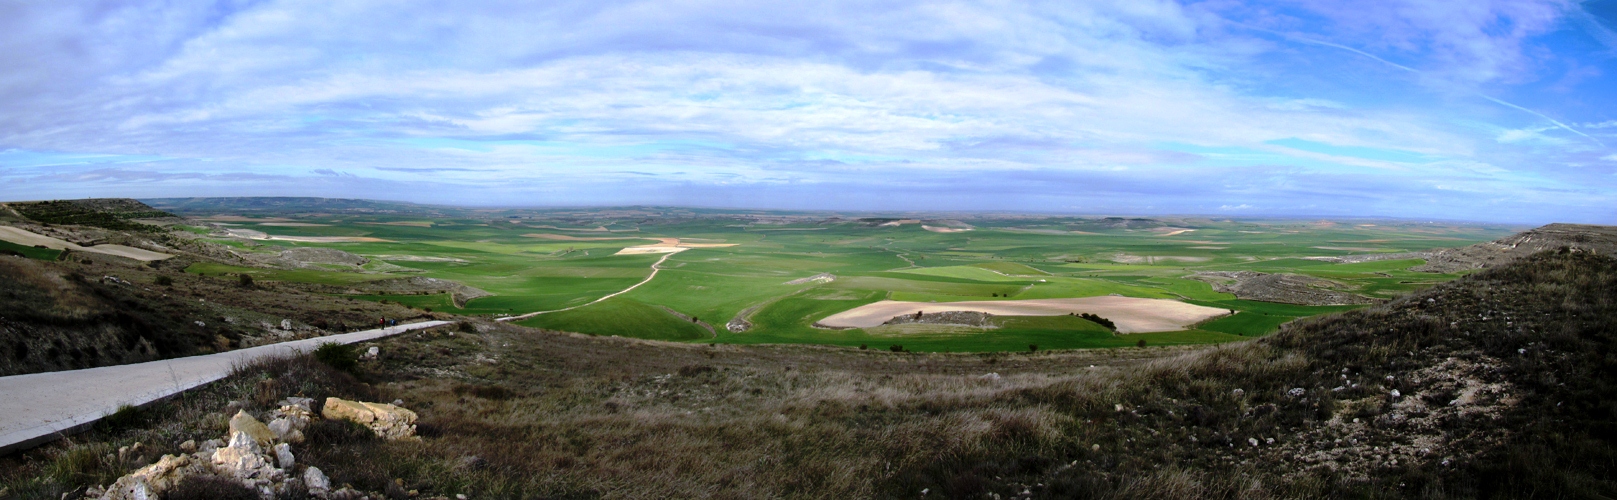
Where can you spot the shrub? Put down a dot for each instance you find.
(163, 281)
(125, 417)
(246, 280)
(339, 356)
(896, 348)
(1032, 348)
(863, 347)
(498, 393)
(1141, 343)
(205, 487)
(338, 432)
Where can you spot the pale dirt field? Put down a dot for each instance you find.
(1153, 259)
(27, 238)
(936, 229)
(668, 245)
(260, 235)
(900, 222)
(1131, 314)
(1178, 231)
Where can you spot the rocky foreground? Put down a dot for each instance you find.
(257, 457)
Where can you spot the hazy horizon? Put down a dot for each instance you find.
(1495, 112)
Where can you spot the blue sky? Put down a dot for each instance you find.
(1501, 111)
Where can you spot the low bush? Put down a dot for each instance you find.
(339, 356)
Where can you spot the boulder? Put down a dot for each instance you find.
(250, 426)
(388, 421)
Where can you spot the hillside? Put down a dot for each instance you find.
(1496, 385)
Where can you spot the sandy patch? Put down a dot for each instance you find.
(936, 229)
(899, 222)
(28, 238)
(293, 224)
(668, 245)
(260, 235)
(1178, 231)
(1132, 315)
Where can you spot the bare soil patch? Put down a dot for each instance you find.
(1132, 315)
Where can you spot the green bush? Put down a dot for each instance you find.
(339, 356)
(163, 281)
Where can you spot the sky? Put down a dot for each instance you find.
(1480, 110)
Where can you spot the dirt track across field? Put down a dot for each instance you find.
(1131, 314)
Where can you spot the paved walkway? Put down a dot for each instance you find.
(39, 407)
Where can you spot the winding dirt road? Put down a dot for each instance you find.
(654, 270)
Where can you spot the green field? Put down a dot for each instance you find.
(536, 260)
(31, 252)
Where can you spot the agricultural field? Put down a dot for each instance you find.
(769, 277)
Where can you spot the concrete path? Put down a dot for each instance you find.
(40, 407)
(654, 270)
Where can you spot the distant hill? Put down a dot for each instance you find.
(1573, 237)
(121, 214)
(194, 206)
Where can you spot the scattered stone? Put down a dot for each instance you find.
(990, 376)
(388, 421)
(246, 424)
(286, 324)
(153, 480)
(1238, 393)
(470, 463)
(189, 446)
(371, 353)
(1296, 392)
(242, 459)
(316, 481)
(208, 447)
(283, 456)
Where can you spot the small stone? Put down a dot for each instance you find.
(286, 324)
(1095, 447)
(1396, 394)
(316, 480)
(189, 446)
(283, 456)
(1296, 392)
(1238, 392)
(460, 496)
(1269, 440)
(1252, 441)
